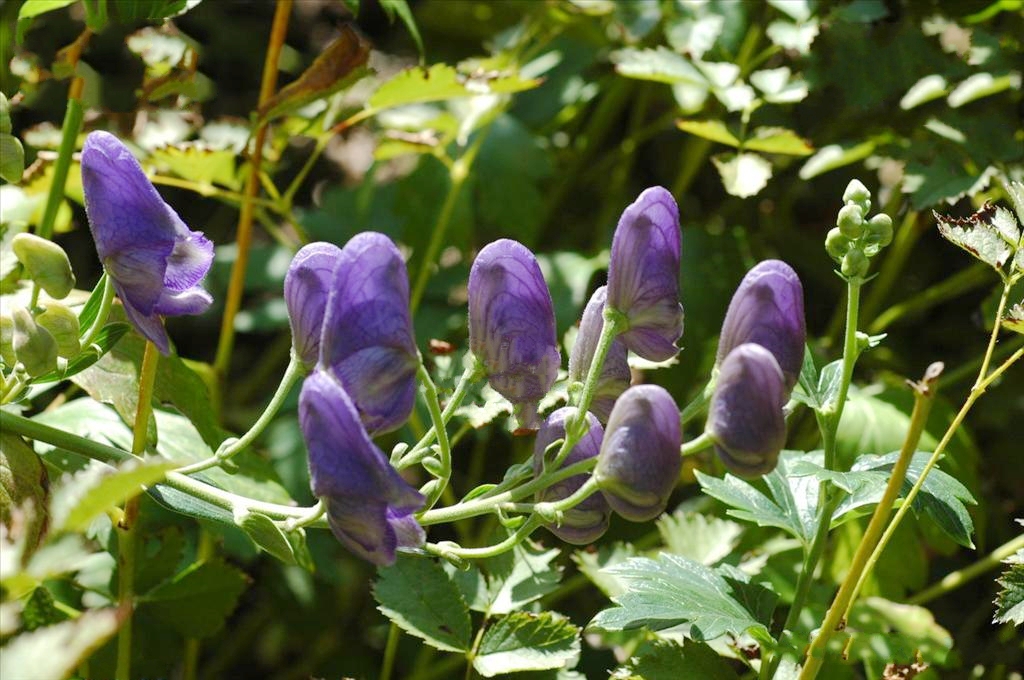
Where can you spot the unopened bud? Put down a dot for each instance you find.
(879, 230)
(34, 347)
(46, 263)
(836, 244)
(5, 115)
(7, 341)
(63, 326)
(855, 263)
(857, 193)
(851, 221)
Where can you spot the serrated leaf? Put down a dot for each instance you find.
(715, 130)
(40, 610)
(1010, 600)
(197, 601)
(778, 140)
(835, 156)
(592, 564)
(523, 641)
(977, 235)
(442, 82)
(660, 65)
(54, 652)
(197, 162)
(268, 536)
(672, 590)
(417, 595)
(1014, 318)
(743, 174)
(494, 406)
(107, 491)
(701, 538)
(661, 659)
(520, 576)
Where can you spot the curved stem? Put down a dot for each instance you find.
(696, 445)
(955, 579)
(421, 450)
(443, 446)
(231, 447)
(513, 539)
(106, 302)
(613, 323)
(233, 300)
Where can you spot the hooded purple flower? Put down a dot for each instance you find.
(512, 325)
(588, 521)
(153, 259)
(643, 275)
(639, 460)
(369, 505)
(615, 375)
(306, 289)
(367, 341)
(746, 417)
(768, 309)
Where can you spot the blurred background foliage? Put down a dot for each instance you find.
(549, 119)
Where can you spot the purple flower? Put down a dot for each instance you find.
(643, 276)
(588, 521)
(153, 259)
(639, 460)
(615, 375)
(512, 325)
(746, 417)
(367, 342)
(306, 289)
(369, 505)
(768, 309)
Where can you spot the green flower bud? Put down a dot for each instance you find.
(5, 115)
(34, 347)
(851, 221)
(879, 230)
(7, 341)
(855, 263)
(836, 244)
(63, 326)
(46, 263)
(12, 158)
(858, 194)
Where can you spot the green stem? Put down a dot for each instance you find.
(421, 450)
(231, 447)
(955, 579)
(513, 539)
(835, 619)
(390, 651)
(696, 445)
(106, 302)
(613, 323)
(444, 449)
(996, 325)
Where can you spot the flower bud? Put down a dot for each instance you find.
(768, 309)
(879, 231)
(615, 375)
(643, 275)
(850, 221)
(512, 325)
(63, 326)
(855, 263)
(588, 521)
(858, 194)
(307, 286)
(746, 417)
(7, 340)
(836, 244)
(367, 342)
(369, 506)
(34, 347)
(639, 460)
(46, 263)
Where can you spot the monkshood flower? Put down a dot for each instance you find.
(746, 418)
(615, 376)
(154, 261)
(367, 341)
(640, 460)
(588, 521)
(307, 286)
(369, 505)
(512, 325)
(643, 275)
(768, 309)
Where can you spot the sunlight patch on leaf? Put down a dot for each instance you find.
(523, 641)
(743, 174)
(701, 538)
(660, 65)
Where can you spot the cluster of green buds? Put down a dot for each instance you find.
(856, 238)
(35, 338)
(12, 155)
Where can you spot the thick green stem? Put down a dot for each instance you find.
(835, 619)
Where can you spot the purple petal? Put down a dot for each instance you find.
(615, 375)
(512, 323)
(768, 309)
(643, 275)
(307, 286)
(746, 417)
(639, 461)
(369, 504)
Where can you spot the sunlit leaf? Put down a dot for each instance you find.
(923, 91)
(1014, 318)
(978, 235)
(778, 140)
(661, 65)
(440, 82)
(54, 652)
(835, 156)
(982, 85)
(743, 174)
(522, 641)
(419, 597)
(33, 8)
(793, 36)
(715, 130)
(701, 538)
(105, 491)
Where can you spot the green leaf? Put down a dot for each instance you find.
(698, 537)
(23, 480)
(982, 85)
(885, 632)
(660, 65)
(54, 652)
(198, 163)
(104, 341)
(268, 536)
(1010, 599)
(198, 600)
(522, 641)
(441, 82)
(661, 659)
(793, 36)
(743, 174)
(835, 156)
(979, 236)
(493, 406)
(401, 8)
(40, 610)
(417, 595)
(520, 576)
(1014, 318)
(673, 590)
(33, 8)
(97, 493)
(12, 158)
(778, 140)
(592, 564)
(715, 130)
(923, 91)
